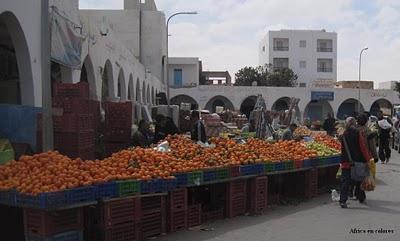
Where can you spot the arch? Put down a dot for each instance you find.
(219, 100)
(179, 99)
(153, 100)
(248, 105)
(107, 87)
(87, 75)
(121, 85)
(283, 104)
(148, 96)
(317, 110)
(131, 88)
(383, 105)
(19, 73)
(138, 95)
(144, 92)
(347, 108)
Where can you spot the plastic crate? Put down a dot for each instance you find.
(209, 216)
(194, 215)
(118, 115)
(128, 188)
(112, 147)
(152, 225)
(81, 195)
(121, 232)
(269, 167)
(236, 206)
(209, 176)
(177, 220)
(279, 166)
(169, 185)
(43, 224)
(42, 201)
(8, 198)
(79, 90)
(117, 135)
(222, 173)
(73, 105)
(236, 188)
(288, 165)
(234, 171)
(335, 160)
(74, 140)
(181, 179)
(120, 211)
(151, 186)
(298, 164)
(178, 200)
(252, 169)
(68, 236)
(195, 178)
(153, 204)
(107, 190)
(258, 195)
(310, 163)
(73, 123)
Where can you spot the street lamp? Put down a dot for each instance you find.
(359, 80)
(167, 60)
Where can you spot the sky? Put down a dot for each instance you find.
(226, 33)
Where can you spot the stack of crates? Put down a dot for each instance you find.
(56, 225)
(178, 210)
(311, 183)
(153, 216)
(258, 194)
(74, 124)
(236, 198)
(194, 215)
(118, 126)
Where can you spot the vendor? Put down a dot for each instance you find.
(249, 127)
(143, 137)
(288, 134)
(198, 131)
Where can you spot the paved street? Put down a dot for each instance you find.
(319, 219)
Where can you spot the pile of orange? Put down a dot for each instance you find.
(328, 141)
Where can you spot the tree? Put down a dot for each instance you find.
(266, 76)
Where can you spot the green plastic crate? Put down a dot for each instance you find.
(195, 178)
(269, 167)
(128, 188)
(289, 165)
(222, 174)
(322, 161)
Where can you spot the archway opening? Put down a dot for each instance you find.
(317, 110)
(107, 82)
(144, 92)
(283, 104)
(381, 105)
(131, 88)
(153, 100)
(248, 105)
(121, 85)
(148, 95)
(138, 96)
(348, 108)
(87, 75)
(185, 99)
(219, 101)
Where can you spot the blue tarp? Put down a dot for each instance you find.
(18, 123)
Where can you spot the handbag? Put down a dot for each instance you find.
(359, 170)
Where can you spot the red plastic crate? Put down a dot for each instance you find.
(79, 90)
(298, 164)
(112, 148)
(83, 153)
(152, 224)
(311, 183)
(122, 232)
(79, 139)
(117, 135)
(178, 200)
(234, 171)
(236, 188)
(73, 123)
(236, 206)
(120, 211)
(208, 216)
(194, 215)
(44, 224)
(177, 220)
(118, 115)
(73, 105)
(258, 194)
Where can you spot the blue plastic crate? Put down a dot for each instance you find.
(259, 169)
(209, 176)
(310, 163)
(68, 236)
(80, 195)
(335, 159)
(152, 186)
(106, 190)
(169, 185)
(181, 179)
(279, 166)
(42, 201)
(7, 198)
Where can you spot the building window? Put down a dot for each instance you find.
(281, 44)
(324, 45)
(325, 65)
(263, 48)
(280, 63)
(303, 44)
(302, 85)
(303, 64)
(178, 77)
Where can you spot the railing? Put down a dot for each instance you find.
(325, 69)
(277, 69)
(281, 48)
(324, 49)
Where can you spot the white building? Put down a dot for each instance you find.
(388, 85)
(183, 72)
(312, 55)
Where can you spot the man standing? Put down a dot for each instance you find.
(329, 125)
(385, 126)
(288, 135)
(198, 132)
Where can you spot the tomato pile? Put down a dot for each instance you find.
(51, 171)
(328, 141)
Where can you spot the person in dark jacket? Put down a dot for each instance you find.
(198, 132)
(329, 125)
(170, 127)
(160, 128)
(143, 137)
(385, 128)
(354, 149)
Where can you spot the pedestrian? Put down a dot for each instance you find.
(329, 125)
(170, 127)
(385, 127)
(368, 135)
(249, 127)
(143, 137)
(288, 134)
(354, 154)
(198, 132)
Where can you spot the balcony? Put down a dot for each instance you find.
(324, 49)
(325, 69)
(281, 48)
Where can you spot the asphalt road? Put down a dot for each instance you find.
(318, 219)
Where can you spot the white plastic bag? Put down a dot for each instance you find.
(384, 124)
(335, 195)
(163, 147)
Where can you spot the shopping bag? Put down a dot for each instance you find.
(368, 184)
(372, 167)
(339, 173)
